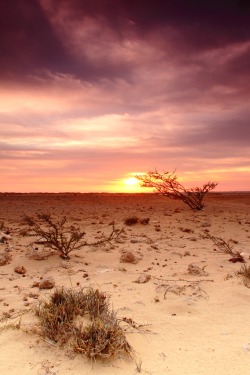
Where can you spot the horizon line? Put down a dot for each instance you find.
(106, 192)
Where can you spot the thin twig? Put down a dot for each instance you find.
(182, 280)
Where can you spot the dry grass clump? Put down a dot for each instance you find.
(94, 302)
(244, 273)
(102, 337)
(56, 315)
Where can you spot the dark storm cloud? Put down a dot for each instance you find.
(30, 42)
(224, 19)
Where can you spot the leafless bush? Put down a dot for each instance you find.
(167, 184)
(59, 235)
(225, 246)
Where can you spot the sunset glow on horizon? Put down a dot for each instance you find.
(91, 92)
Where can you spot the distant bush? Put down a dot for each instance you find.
(168, 185)
(132, 220)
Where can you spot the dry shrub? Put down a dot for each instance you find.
(225, 246)
(132, 220)
(59, 235)
(103, 337)
(128, 257)
(55, 233)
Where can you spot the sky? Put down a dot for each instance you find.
(93, 92)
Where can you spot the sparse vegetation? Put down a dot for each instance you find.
(58, 235)
(5, 258)
(144, 221)
(132, 220)
(128, 257)
(167, 184)
(101, 337)
(244, 273)
(225, 246)
(186, 230)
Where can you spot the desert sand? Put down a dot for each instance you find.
(194, 319)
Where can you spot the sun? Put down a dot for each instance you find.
(130, 184)
(131, 181)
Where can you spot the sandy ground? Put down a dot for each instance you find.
(193, 324)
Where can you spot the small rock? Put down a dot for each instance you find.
(134, 240)
(4, 236)
(20, 269)
(143, 279)
(35, 284)
(47, 283)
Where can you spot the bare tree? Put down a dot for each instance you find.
(167, 184)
